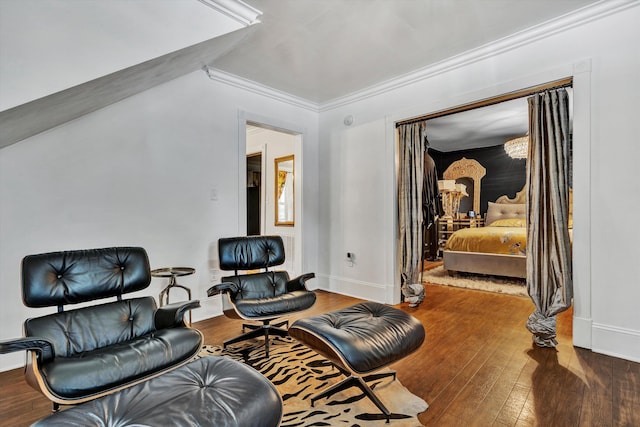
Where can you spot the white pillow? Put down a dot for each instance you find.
(498, 211)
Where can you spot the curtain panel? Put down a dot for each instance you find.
(411, 149)
(549, 275)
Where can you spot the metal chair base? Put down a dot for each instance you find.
(264, 330)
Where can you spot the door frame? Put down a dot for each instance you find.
(581, 73)
(275, 124)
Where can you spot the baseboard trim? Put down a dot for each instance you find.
(617, 342)
(353, 288)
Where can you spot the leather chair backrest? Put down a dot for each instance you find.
(89, 328)
(71, 277)
(251, 252)
(259, 285)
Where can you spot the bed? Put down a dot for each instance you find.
(498, 248)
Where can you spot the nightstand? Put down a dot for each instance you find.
(448, 225)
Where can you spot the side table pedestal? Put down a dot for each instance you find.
(172, 273)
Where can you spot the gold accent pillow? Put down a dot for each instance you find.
(509, 222)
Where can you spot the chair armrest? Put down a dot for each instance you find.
(221, 288)
(42, 346)
(172, 315)
(299, 283)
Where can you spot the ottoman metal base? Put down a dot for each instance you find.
(360, 340)
(361, 383)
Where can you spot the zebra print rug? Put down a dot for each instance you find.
(299, 372)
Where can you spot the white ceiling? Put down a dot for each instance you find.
(481, 127)
(320, 50)
(316, 50)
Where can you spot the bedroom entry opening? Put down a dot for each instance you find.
(479, 183)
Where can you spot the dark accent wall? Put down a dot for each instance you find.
(504, 174)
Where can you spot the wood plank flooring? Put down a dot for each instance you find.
(477, 367)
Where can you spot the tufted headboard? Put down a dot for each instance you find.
(520, 198)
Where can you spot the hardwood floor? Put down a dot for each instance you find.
(477, 367)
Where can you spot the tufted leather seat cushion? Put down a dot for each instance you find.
(276, 306)
(211, 391)
(259, 285)
(363, 338)
(77, 331)
(87, 373)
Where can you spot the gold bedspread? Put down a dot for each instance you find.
(491, 239)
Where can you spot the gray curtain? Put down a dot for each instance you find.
(549, 276)
(411, 149)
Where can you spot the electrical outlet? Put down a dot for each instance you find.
(350, 258)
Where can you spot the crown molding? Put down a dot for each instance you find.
(236, 10)
(252, 86)
(541, 31)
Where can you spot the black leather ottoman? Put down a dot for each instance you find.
(211, 391)
(360, 340)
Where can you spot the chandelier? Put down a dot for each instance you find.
(517, 147)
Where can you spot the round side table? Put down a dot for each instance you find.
(172, 273)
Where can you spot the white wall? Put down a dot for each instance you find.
(602, 57)
(356, 178)
(140, 172)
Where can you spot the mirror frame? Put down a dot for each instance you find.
(467, 168)
(277, 162)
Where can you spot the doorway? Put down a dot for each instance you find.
(264, 146)
(494, 155)
(254, 194)
(581, 72)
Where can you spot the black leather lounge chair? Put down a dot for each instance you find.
(81, 354)
(263, 296)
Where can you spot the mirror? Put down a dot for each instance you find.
(284, 195)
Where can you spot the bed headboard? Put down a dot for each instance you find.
(520, 198)
(508, 208)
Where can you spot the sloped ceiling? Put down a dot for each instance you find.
(51, 45)
(61, 59)
(316, 50)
